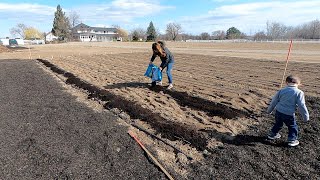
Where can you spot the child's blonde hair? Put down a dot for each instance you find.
(293, 79)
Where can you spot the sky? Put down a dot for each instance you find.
(194, 16)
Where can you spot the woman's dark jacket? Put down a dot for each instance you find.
(164, 60)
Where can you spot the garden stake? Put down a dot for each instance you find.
(150, 155)
(154, 136)
(29, 51)
(285, 69)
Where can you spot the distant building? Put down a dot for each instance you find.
(50, 37)
(20, 41)
(85, 33)
(4, 41)
(10, 41)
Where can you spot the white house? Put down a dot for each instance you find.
(20, 41)
(50, 37)
(4, 41)
(86, 33)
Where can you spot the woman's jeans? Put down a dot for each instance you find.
(289, 121)
(169, 69)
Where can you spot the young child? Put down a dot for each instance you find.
(285, 102)
(167, 59)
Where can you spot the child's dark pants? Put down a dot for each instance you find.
(290, 123)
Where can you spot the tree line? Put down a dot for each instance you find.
(274, 31)
(62, 26)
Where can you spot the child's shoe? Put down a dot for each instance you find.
(159, 83)
(170, 86)
(293, 143)
(272, 137)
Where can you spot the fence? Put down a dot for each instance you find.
(36, 41)
(256, 41)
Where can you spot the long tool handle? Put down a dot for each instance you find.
(154, 136)
(285, 69)
(150, 155)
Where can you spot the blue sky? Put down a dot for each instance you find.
(195, 16)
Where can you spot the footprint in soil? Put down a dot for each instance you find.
(276, 143)
(147, 100)
(250, 140)
(312, 130)
(160, 101)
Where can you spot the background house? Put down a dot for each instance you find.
(50, 37)
(85, 33)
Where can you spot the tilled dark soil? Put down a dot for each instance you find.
(251, 156)
(169, 130)
(247, 156)
(45, 133)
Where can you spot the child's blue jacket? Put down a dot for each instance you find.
(287, 100)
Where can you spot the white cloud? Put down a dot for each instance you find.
(100, 25)
(35, 15)
(114, 12)
(220, 1)
(121, 10)
(128, 13)
(26, 8)
(253, 16)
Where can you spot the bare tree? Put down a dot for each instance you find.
(297, 32)
(260, 36)
(315, 29)
(276, 30)
(186, 36)
(302, 31)
(173, 30)
(18, 30)
(205, 36)
(121, 32)
(138, 34)
(289, 32)
(220, 34)
(190, 36)
(74, 19)
(310, 30)
(158, 33)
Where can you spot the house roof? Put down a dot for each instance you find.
(49, 33)
(81, 25)
(104, 29)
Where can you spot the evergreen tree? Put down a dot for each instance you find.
(151, 32)
(233, 33)
(135, 36)
(60, 24)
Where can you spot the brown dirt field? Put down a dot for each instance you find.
(220, 93)
(4, 49)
